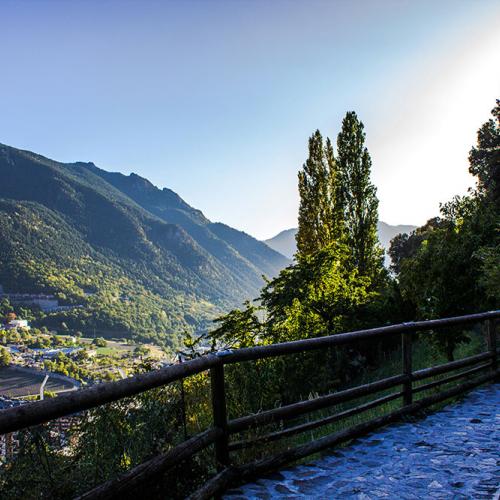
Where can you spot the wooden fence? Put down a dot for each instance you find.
(482, 368)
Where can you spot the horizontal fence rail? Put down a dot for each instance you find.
(290, 431)
(261, 352)
(451, 378)
(452, 365)
(296, 409)
(30, 414)
(38, 412)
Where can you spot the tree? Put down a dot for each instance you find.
(316, 296)
(484, 158)
(358, 197)
(338, 262)
(99, 342)
(320, 212)
(437, 281)
(5, 357)
(5, 307)
(404, 246)
(490, 271)
(238, 328)
(142, 351)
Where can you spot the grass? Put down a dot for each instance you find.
(108, 351)
(115, 347)
(424, 356)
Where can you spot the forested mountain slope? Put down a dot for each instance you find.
(235, 249)
(152, 263)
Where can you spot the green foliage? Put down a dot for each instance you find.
(359, 197)
(320, 211)
(5, 308)
(336, 283)
(319, 295)
(338, 270)
(43, 254)
(315, 297)
(489, 279)
(404, 246)
(449, 266)
(99, 445)
(5, 357)
(484, 158)
(99, 342)
(142, 351)
(338, 202)
(452, 272)
(238, 328)
(66, 366)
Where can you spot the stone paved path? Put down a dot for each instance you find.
(452, 454)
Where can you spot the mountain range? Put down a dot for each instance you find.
(284, 242)
(139, 259)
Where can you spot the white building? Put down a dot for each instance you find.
(18, 323)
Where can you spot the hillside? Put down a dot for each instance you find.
(141, 261)
(284, 242)
(242, 253)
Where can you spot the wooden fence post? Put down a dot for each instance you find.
(183, 403)
(220, 415)
(491, 336)
(406, 341)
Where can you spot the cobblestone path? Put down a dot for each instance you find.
(451, 454)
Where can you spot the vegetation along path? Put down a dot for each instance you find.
(454, 453)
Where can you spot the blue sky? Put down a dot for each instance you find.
(216, 100)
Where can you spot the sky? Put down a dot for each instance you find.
(216, 99)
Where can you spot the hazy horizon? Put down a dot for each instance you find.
(216, 100)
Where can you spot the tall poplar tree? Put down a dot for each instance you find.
(311, 191)
(319, 213)
(336, 224)
(358, 196)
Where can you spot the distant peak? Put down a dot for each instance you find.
(141, 182)
(87, 164)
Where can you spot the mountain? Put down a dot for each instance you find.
(233, 248)
(284, 242)
(386, 232)
(140, 260)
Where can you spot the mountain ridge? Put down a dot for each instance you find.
(284, 241)
(171, 208)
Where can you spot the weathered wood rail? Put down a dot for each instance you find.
(485, 369)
